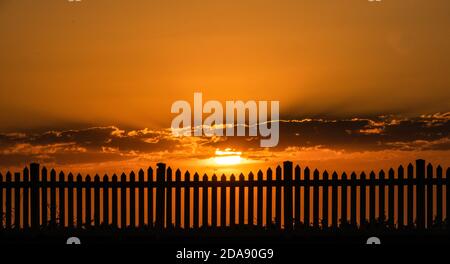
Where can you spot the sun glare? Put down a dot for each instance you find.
(227, 157)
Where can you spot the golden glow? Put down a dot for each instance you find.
(227, 157)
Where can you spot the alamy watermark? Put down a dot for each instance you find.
(213, 125)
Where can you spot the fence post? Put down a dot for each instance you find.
(44, 197)
(269, 199)
(353, 200)
(26, 206)
(150, 207)
(141, 199)
(123, 201)
(372, 216)
(391, 199)
(241, 199)
(70, 189)
(401, 200)
(205, 202)
(178, 199)
(382, 197)
(53, 198)
(1, 202)
(410, 218)
(97, 201)
(325, 199)
(278, 197)
(447, 187)
(160, 193)
(79, 201)
(214, 202)
(196, 201)
(260, 203)
(232, 201)
(306, 199)
(169, 199)
(105, 200)
(34, 179)
(316, 198)
(8, 201)
(297, 172)
(439, 196)
(88, 221)
(250, 209)
(344, 188)
(115, 202)
(223, 201)
(132, 202)
(62, 200)
(420, 175)
(334, 200)
(429, 184)
(362, 200)
(187, 200)
(287, 169)
(17, 207)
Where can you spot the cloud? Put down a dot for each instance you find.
(111, 143)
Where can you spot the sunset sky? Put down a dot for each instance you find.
(88, 86)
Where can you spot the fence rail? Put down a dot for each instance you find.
(287, 198)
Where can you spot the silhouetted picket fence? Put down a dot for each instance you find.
(288, 198)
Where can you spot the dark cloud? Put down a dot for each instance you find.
(102, 144)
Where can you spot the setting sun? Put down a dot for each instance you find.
(227, 157)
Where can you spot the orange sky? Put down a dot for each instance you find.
(91, 64)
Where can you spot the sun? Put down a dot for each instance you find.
(227, 157)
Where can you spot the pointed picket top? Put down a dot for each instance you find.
(141, 175)
(325, 175)
(114, 178)
(97, 178)
(88, 178)
(61, 176)
(178, 172)
(232, 178)
(362, 176)
(132, 176)
(410, 166)
(307, 170)
(53, 171)
(335, 175)
(381, 174)
(150, 170)
(8, 176)
(169, 170)
(79, 179)
(70, 176)
(353, 176)
(269, 170)
(401, 169)
(260, 175)
(278, 168)
(316, 173)
(187, 175)
(344, 176)
(26, 171)
(205, 177)
(223, 178)
(214, 177)
(44, 170)
(429, 166)
(123, 177)
(196, 177)
(439, 168)
(251, 176)
(241, 177)
(105, 178)
(297, 167)
(372, 175)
